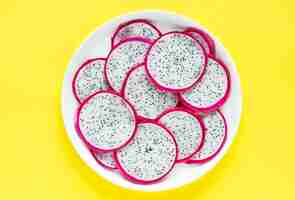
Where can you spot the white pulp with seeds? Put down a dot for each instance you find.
(145, 98)
(122, 58)
(187, 131)
(210, 89)
(90, 79)
(106, 121)
(214, 136)
(106, 159)
(176, 61)
(136, 29)
(150, 155)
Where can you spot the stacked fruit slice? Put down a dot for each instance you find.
(153, 102)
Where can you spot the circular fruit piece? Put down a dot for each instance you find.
(147, 101)
(175, 62)
(150, 155)
(136, 28)
(89, 79)
(187, 129)
(215, 137)
(122, 58)
(105, 159)
(211, 91)
(106, 121)
(203, 38)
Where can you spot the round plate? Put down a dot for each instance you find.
(98, 44)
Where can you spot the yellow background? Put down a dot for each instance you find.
(37, 40)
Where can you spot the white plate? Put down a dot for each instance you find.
(98, 44)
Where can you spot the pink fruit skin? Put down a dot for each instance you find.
(219, 103)
(143, 182)
(77, 125)
(120, 43)
(131, 22)
(199, 119)
(76, 76)
(163, 88)
(139, 117)
(101, 163)
(219, 149)
(206, 36)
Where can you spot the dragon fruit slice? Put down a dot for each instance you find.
(105, 159)
(150, 156)
(89, 79)
(203, 38)
(147, 101)
(187, 129)
(106, 121)
(122, 58)
(175, 62)
(136, 28)
(215, 137)
(211, 91)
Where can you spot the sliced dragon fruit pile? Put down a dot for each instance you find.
(154, 102)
